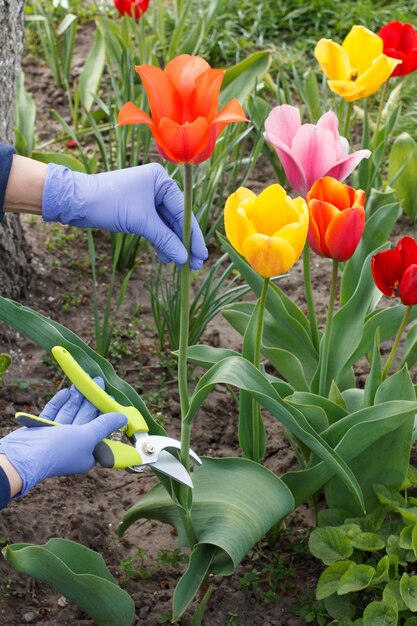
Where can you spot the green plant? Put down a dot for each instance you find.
(5, 362)
(371, 561)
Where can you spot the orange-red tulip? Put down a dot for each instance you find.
(337, 218)
(183, 101)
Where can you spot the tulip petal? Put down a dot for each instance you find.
(380, 70)
(344, 233)
(131, 114)
(333, 60)
(349, 90)
(232, 112)
(183, 71)
(321, 215)
(236, 222)
(271, 210)
(387, 271)
(269, 256)
(184, 141)
(330, 122)
(331, 191)
(164, 99)
(283, 122)
(408, 286)
(204, 99)
(391, 34)
(407, 248)
(293, 170)
(295, 234)
(342, 169)
(315, 149)
(362, 46)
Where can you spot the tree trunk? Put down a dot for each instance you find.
(14, 254)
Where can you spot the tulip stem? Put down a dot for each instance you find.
(185, 493)
(310, 298)
(256, 409)
(379, 116)
(348, 117)
(327, 332)
(396, 342)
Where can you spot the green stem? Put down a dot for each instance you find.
(185, 492)
(327, 333)
(379, 115)
(309, 297)
(256, 409)
(396, 342)
(346, 127)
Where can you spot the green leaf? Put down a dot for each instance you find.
(206, 356)
(201, 560)
(240, 80)
(5, 361)
(242, 374)
(402, 173)
(382, 571)
(90, 77)
(24, 119)
(329, 579)
(60, 159)
(341, 609)
(227, 521)
(357, 577)
(410, 621)
(77, 573)
(288, 365)
(198, 615)
(408, 590)
(384, 613)
(391, 593)
(374, 378)
(330, 544)
(368, 542)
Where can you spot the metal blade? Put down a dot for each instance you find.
(169, 465)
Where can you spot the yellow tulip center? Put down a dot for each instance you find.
(354, 75)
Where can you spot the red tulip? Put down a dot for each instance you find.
(395, 271)
(132, 8)
(400, 42)
(337, 218)
(183, 101)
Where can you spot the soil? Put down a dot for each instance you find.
(87, 508)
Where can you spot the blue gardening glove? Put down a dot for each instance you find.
(142, 200)
(38, 453)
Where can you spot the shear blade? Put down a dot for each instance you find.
(169, 465)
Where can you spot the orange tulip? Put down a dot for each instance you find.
(337, 218)
(183, 102)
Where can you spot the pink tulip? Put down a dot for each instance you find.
(310, 151)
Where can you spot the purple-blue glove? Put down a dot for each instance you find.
(39, 453)
(142, 200)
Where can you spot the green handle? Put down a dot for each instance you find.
(116, 454)
(95, 394)
(108, 453)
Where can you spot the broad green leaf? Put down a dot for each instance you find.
(408, 590)
(288, 365)
(315, 415)
(368, 542)
(402, 173)
(331, 517)
(330, 544)
(410, 347)
(341, 609)
(240, 80)
(408, 538)
(388, 417)
(384, 613)
(382, 571)
(227, 521)
(391, 593)
(398, 386)
(333, 411)
(410, 621)
(329, 579)
(77, 573)
(374, 378)
(206, 356)
(60, 159)
(357, 577)
(46, 333)
(353, 399)
(388, 496)
(240, 373)
(90, 77)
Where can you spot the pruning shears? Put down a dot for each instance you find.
(146, 449)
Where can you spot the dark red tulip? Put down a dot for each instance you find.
(400, 42)
(395, 271)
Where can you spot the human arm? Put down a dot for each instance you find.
(142, 200)
(29, 455)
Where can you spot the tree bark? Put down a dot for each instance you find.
(14, 253)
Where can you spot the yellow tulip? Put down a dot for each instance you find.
(269, 230)
(357, 68)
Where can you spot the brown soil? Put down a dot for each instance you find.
(88, 508)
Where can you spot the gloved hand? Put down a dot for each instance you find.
(143, 200)
(38, 453)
